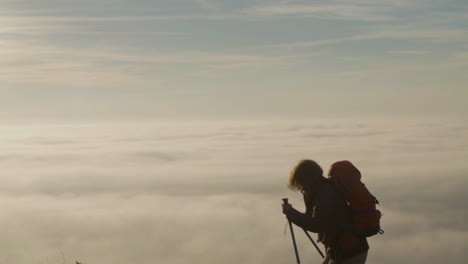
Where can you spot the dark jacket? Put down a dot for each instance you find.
(328, 214)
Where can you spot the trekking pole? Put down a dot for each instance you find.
(313, 242)
(285, 201)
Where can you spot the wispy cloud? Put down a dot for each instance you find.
(430, 34)
(45, 63)
(340, 10)
(34, 18)
(333, 10)
(390, 69)
(410, 52)
(209, 5)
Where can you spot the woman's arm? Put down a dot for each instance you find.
(325, 202)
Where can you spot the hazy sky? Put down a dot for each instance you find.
(142, 59)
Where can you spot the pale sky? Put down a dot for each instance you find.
(140, 59)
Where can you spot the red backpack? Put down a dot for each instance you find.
(365, 216)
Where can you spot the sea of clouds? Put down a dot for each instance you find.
(210, 192)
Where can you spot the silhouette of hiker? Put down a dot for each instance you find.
(327, 213)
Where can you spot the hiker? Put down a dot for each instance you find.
(327, 213)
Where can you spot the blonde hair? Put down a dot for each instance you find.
(304, 174)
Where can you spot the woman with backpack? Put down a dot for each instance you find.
(329, 209)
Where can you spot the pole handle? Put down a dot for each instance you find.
(285, 201)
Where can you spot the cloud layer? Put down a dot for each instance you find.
(210, 191)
